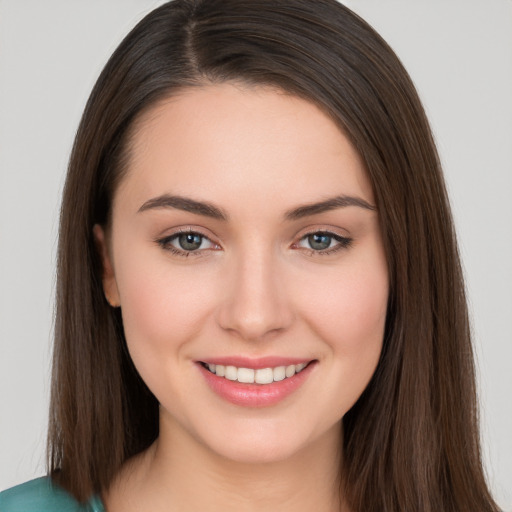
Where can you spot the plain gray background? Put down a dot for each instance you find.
(458, 52)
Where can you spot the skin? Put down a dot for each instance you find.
(255, 287)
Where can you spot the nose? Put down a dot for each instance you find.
(255, 303)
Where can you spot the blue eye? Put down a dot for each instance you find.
(189, 241)
(185, 243)
(324, 242)
(319, 241)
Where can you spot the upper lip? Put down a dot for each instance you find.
(255, 363)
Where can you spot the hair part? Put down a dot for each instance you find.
(411, 441)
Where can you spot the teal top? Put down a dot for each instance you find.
(41, 495)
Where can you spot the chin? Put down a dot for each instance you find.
(260, 452)
(264, 442)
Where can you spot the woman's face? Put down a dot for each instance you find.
(243, 237)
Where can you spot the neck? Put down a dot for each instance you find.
(179, 473)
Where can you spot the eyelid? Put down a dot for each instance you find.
(322, 228)
(165, 241)
(344, 240)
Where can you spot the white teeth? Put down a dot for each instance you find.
(260, 376)
(246, 375)
(231, 372)
(279, 373)
(264, 376)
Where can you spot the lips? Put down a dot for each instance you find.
(255, 383)
(261, 376)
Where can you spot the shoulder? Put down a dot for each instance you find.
(41, 495)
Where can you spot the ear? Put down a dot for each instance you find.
(108, 276)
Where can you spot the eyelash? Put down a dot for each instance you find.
(165, 243)
(343, 243)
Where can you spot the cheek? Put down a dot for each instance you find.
(163, 306)
(349, 314)
(353, 304)
(163, 309)
(351, 321)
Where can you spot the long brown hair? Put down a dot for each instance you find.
(411, 441)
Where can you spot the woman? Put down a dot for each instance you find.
(260, 302)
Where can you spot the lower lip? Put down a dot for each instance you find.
(255, 395)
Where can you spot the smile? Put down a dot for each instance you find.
(251, 376)
(267, 383)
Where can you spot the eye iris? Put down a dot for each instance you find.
(190, 241)
(319, 241)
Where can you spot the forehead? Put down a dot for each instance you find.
(228, 139)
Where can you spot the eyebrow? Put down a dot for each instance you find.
(329, 204)
(209, 210)
(186, 204)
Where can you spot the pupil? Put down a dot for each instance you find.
(190, 241)
(319, 241)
